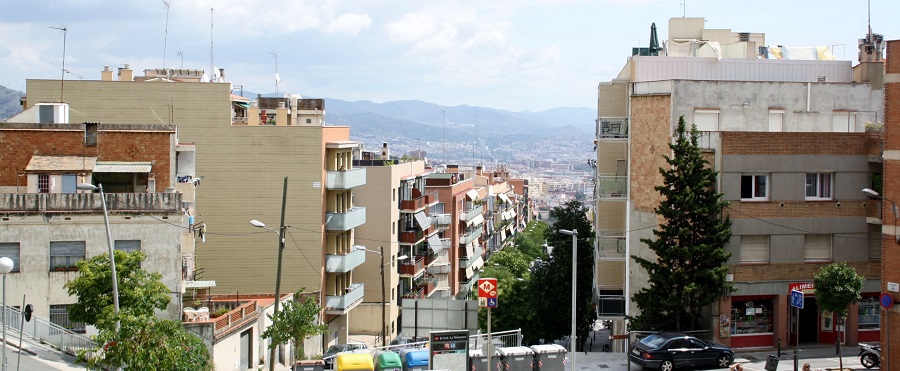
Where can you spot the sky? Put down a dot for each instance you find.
(516, 55)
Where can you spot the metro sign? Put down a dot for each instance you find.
(487, 288)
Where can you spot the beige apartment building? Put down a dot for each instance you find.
(249, 150)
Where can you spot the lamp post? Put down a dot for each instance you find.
(6, 266)
(280, 232)
(109, 245)
(383, 297)
(574, 234)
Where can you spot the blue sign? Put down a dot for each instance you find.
(492, 302)
(797, 299)
(887, 301)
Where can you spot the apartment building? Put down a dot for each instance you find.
(250, 147)
(788, 138)
(890, 276)
(48, 225)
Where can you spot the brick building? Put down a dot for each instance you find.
(890, 340)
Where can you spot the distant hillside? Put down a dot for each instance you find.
(9, 102)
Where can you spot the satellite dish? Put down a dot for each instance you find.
(205, 77)
(217, 73)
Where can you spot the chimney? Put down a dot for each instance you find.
(126, 74)
(453, 168)
(221, 75)
(385, 151)
(106, 74)
(479, 170)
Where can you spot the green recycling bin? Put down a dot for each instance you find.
(388, 361)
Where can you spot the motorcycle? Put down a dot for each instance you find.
(870, 355)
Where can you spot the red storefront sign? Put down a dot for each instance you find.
(807, 288)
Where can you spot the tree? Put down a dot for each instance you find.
(550, 286)
(140, 292)
(146, 342)
(530, 241)
(837, 286)
(296, 321)
(689, 270)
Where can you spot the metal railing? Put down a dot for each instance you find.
(45, 331)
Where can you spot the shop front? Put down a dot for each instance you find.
(821, 326)
(751, 322)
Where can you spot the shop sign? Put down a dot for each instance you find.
(806, 288)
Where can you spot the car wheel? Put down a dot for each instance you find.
(724, 361)
(666, 365)
(868, 360)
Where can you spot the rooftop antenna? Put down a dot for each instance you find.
(277, 78)
(683, 8)
(62, 79)
(80, 77)
(211, 42)
(166, 37)
(180, 53)
(869, 7)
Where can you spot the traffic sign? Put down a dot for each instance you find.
(797, 299)
(487, 288)
(491, 302)
(482, 302)
(887, 301)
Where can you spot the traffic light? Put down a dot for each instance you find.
(28, 310)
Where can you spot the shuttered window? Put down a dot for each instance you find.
(817, 248)
(754, 249)
(706, 120)
(875, 239)
(11, 250)
(64, 254)
(128, 246)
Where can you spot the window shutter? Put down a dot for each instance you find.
(706, 120)
(818, 248)
(11, 251)
(128, 246)
(754, 249)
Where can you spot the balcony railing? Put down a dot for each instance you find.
(346, 262)
(612, 247)
(340, 304)
(465, 216)
(441, 220)
(418, 203)
(611, 305)
(471, 236)
(414, 237)
(614, 128)
(345, 179)
(613, 186)
(412, 266)
(346, 221)
(90, 202)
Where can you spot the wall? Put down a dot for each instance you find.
(890, 251)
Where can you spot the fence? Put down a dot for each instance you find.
(50, 333)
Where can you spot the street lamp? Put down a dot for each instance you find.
(574, 234)
(873, 194)
(109, 245)
(6, 266)
(383, 297)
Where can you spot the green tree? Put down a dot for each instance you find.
(837, 286)
(689, 270)
(140, 292)
(152, 344)
(550, 287)
(531, 241)
(296, 321)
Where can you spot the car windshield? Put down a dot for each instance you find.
(338, 348)
(653, 341)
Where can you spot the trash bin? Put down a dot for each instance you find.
(479, 362)
(516, 358)
(315, 365)
(414, 359)
(549, 357)
(771, 363)
(354, 362)
(388, 361)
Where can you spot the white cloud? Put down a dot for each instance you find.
(349, 23)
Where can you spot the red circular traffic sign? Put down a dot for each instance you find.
(887, 301)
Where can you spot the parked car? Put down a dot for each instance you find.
(401, 342)
(666, 351)
(336, 349)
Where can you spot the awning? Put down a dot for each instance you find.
(122, 167)
(504, 198)
(434, 242)
(512, 213)
(504, 215)
(503, 235)
(472, 194)
(199, 284)
(241, 104)
(423, 220)
(477, 220)
(60, 163)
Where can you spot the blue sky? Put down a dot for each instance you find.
(507, 54)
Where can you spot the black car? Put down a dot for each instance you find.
(669, 350)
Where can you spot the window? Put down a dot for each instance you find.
(818, 186)
(11, 250)
(754, 249)
(64, 254)
(754, 187)
(309, 121)
(43, 183)
(59, 315)
(817, 248)
(843, 121)
(706, 119)
(874, 242)
(128, 246)
(776, 120)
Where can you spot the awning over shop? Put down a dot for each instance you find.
(435, 243)
(472, 194)
(423, 220)
(122, 167)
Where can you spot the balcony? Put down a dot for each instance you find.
(471, 236)
(612, 247)
(346, 262)
(33, 203)
(412, 266)
(441, 220)
(467, 261)
(613, 186)
(611, 305)
(345, 179)
(415, 236)
(465, 216)
(346, 221)
(342, 304)
(613, 128)
(418, 204)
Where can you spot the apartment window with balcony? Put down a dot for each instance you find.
(754, 249)
(11, 250)
(817, 248)
(818, 186)
(43, 183)
(64, 254)
(706, 119)
(843, 121)
(754, 187)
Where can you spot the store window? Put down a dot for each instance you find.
(752, 316)
(869, 313)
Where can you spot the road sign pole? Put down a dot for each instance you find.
(489, 347)
(797, 348)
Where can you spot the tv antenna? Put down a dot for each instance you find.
(683, 8)
(180, 53)
(277, 78)
(80, 77)
(166, 37)
(62, 79)
(211, 42)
